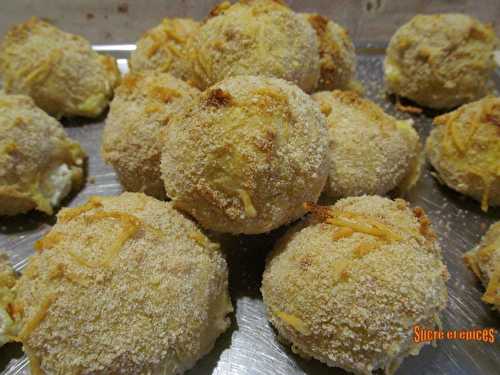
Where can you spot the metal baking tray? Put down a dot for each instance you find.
(249, 347)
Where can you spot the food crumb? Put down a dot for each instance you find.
(123, 8)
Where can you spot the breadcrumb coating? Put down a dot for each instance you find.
(484, 261)
(464, 148)
(164, 48)
(336, 51)
(255, 37)
(60, 71)
(122, 285)
(441, 61)
(371, 152)
(32, 146)
(7, 282)
(245, 155)
(143, 104)
(347, 286)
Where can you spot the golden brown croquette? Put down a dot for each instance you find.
(39, 163)
(464, 149)
(60, 71)
(371, 152)
(143, 104)
(121, 285)
(164, 48)
(255, 37)
(484, 261)
(441, 61)
(349, 284)
(245, 155)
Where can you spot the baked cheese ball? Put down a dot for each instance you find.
(60, 71)
(464, 149)
(245, 155)
(337, 55)
(7, 282)
(348, 286)
(255, 37)
(122, 285)
(441, 61)
(39, 163)
(164, 48)
(484, 261)
(143, 104)
(371, 152)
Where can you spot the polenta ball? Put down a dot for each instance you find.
(484, 261)
(464, 149)
(441, 61)
(164, 48)
(143, 104)
(7, 283)
(121, 285)
(371, 152)
(337, 55)
(349, 284)
(39, 163)
(255, 37)
(245, 155)
(60, 71)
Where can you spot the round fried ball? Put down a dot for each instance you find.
(143, 104)
(60, 71)
(245, 155)
(371, 152)
(255, 37)
(122, 285)
(39, 163)
(7, 282)
(164, 48)
(441, 61)
(464, 149)
(337, 55)
(484, 261)
(348, 286)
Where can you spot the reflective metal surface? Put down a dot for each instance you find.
(250, 347)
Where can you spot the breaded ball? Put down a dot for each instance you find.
(337, 55)
(464, 149)
(371, 152)
(484, 261)
(7, 282)
(245, 155)
(441, 61)
(255, 37)
(121, 285)
(143, 104)
(164, 48)
(39, 163)
(60, 71)
(348, 286)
